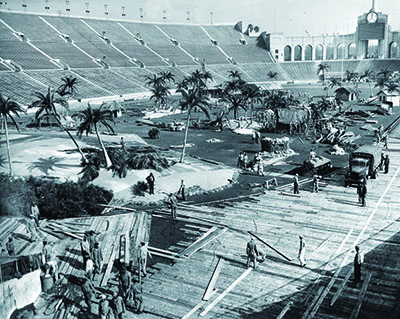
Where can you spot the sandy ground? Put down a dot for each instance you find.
(47, 154)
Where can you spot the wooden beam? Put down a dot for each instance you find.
(208, 232)
(312, 303)
(213, 280)
(197, 307)
(285, 310)
(156, 253)
(264, 242)
(199, 244)
(162, 251)
(127, 248)
(110, 264)
(58, 229)
(226, 291)
(361, 296)
(339, 291)
(290, 194)
(118, 207)
(320, 246)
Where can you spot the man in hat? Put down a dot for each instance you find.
(35, 213)
(150, 181)
(88, 291)
(97, 259)
(252, 253)
(302, 251)
(104, 307)
(10, 247)
(173, 205)
(358, 260)
(85, 249)
(118, 306)
(296, 184)
(137, 292)
(124, 282)
(142, 258)
(315, 181)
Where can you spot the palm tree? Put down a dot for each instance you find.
(322, 68)
(46, 105)
(392, 87)
(68, 87)
(251, 92)
(90, 119)
(234, 74)
(272, 75)
(159, 93)
(91, 168)
(380, 83)
(368, 76)
(191, 98)
(167, 76)
(384, 74)
(8, 108)
(154, 80)
(332, 82)
(236, 102)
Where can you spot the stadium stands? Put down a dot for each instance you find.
(76, 42)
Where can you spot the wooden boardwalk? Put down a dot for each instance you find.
(332, 223)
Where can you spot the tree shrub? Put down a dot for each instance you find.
(140, 188)
(154, 133)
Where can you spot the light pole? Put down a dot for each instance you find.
(24, 5)
(87, 8)
(67, 7)
(105, 10)
(47, 8)
(211, 17)
(188, 16)
(141, 14)
(164, 15)
(123, 11)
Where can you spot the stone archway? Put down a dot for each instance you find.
(308, 54)
(352, 51)
(330, 52)
(298, 51)
(287, 53)
(340, 51)
(319, 52)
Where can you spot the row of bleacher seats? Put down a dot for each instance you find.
(300, 70)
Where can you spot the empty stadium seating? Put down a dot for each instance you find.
(224, 34)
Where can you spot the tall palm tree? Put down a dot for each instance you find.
(159, 93)
(46, 105)
(322, 69)
(381, 83)
(236, 102)
(385, 74)
(392, 87)
(332, 82)
(368, 76)
(68, 87)
(251, 92)
(167, 76)
(272, 75)
(234, 74)
(8, 108)
(191, 98)
(154, 80)
(90, 119)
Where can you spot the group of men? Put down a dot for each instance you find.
(257, 164)
(91, 254)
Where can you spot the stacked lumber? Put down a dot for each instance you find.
(202, 241)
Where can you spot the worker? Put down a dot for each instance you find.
(97, 259)
(91, 238)
(124, 282)
(89, 268)
(245, 159)
(182, 190)
(150, 181)
(252, 253)
(385, 140)
(296, 184)
(137, 295)
(315, 181)
(85, 249)
(312, 155)
(386, 163)
(142, 258)
(259, 163)
(104, 307)
(362, 192)
(122, 142)
(118, 306)
(358, 260)
(35, 213)
(10, 247)
(173, 205)
(88, 291)
(302, 251)
(240, 160)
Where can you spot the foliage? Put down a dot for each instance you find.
(154, 133)
(272, 75)
(90, 168)
(139, 189)
(119, 159)
(68, 87)
(146, 160)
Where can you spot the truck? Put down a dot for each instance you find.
(364, 163)
(316, 165)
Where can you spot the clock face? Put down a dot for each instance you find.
(372, 17)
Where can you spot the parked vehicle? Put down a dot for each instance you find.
(364, 163)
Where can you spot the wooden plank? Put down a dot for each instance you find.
(213, 280)
(320, 246)
(118, 207)
(310, 305)
(361, 296)
(339, 291)
(211, 230)
(285, 310)
(127, 247)
(226, 291)
(165, 252)
(60, 230)
(110, 264)
(156, 253)
(198, 306)
(264, 242)
(289, 194)
(205, 241)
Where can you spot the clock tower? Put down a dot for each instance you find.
(372, 31)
